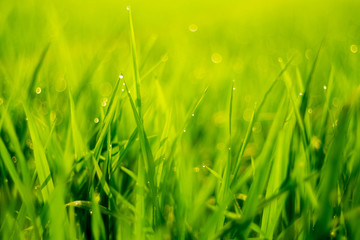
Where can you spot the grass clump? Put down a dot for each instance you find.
(179, 121)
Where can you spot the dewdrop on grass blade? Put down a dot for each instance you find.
(96, 120)
(354, 48)
(216, 58)
(104, 102)
(38, 90)
(193, 28)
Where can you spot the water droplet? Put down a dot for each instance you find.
(192, 115)
(148, 182)
(310, 111)
(354, 48)
(184, 130)
(216, 58)
(325, 87)
(233, 89)
(122, 89)
(229, 148)
(301, 94)
(124, 84)
(193, 28)
(104, 102)
(90, 212)
(96, 120)
(128, 8)
(38, 90)
(121, 76)
(203, 165)
(129, 91)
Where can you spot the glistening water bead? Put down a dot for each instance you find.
(38, 90)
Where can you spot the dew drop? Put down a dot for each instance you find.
(96, 120)
(233, 89)
(310, 111)
(325, 87)
(301, 94)
(129, 91)
(38, 90)
(128, 8)
(122, 89)
(184, 130)
(216, 58)
(104, 102)
(124, 84)
(193, 28)
(192, 114)
(91, 212)
(354, 48)
(203, 165)
(121, 76)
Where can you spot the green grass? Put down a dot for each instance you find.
(179, 120)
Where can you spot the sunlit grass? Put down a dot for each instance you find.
(179, 120)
